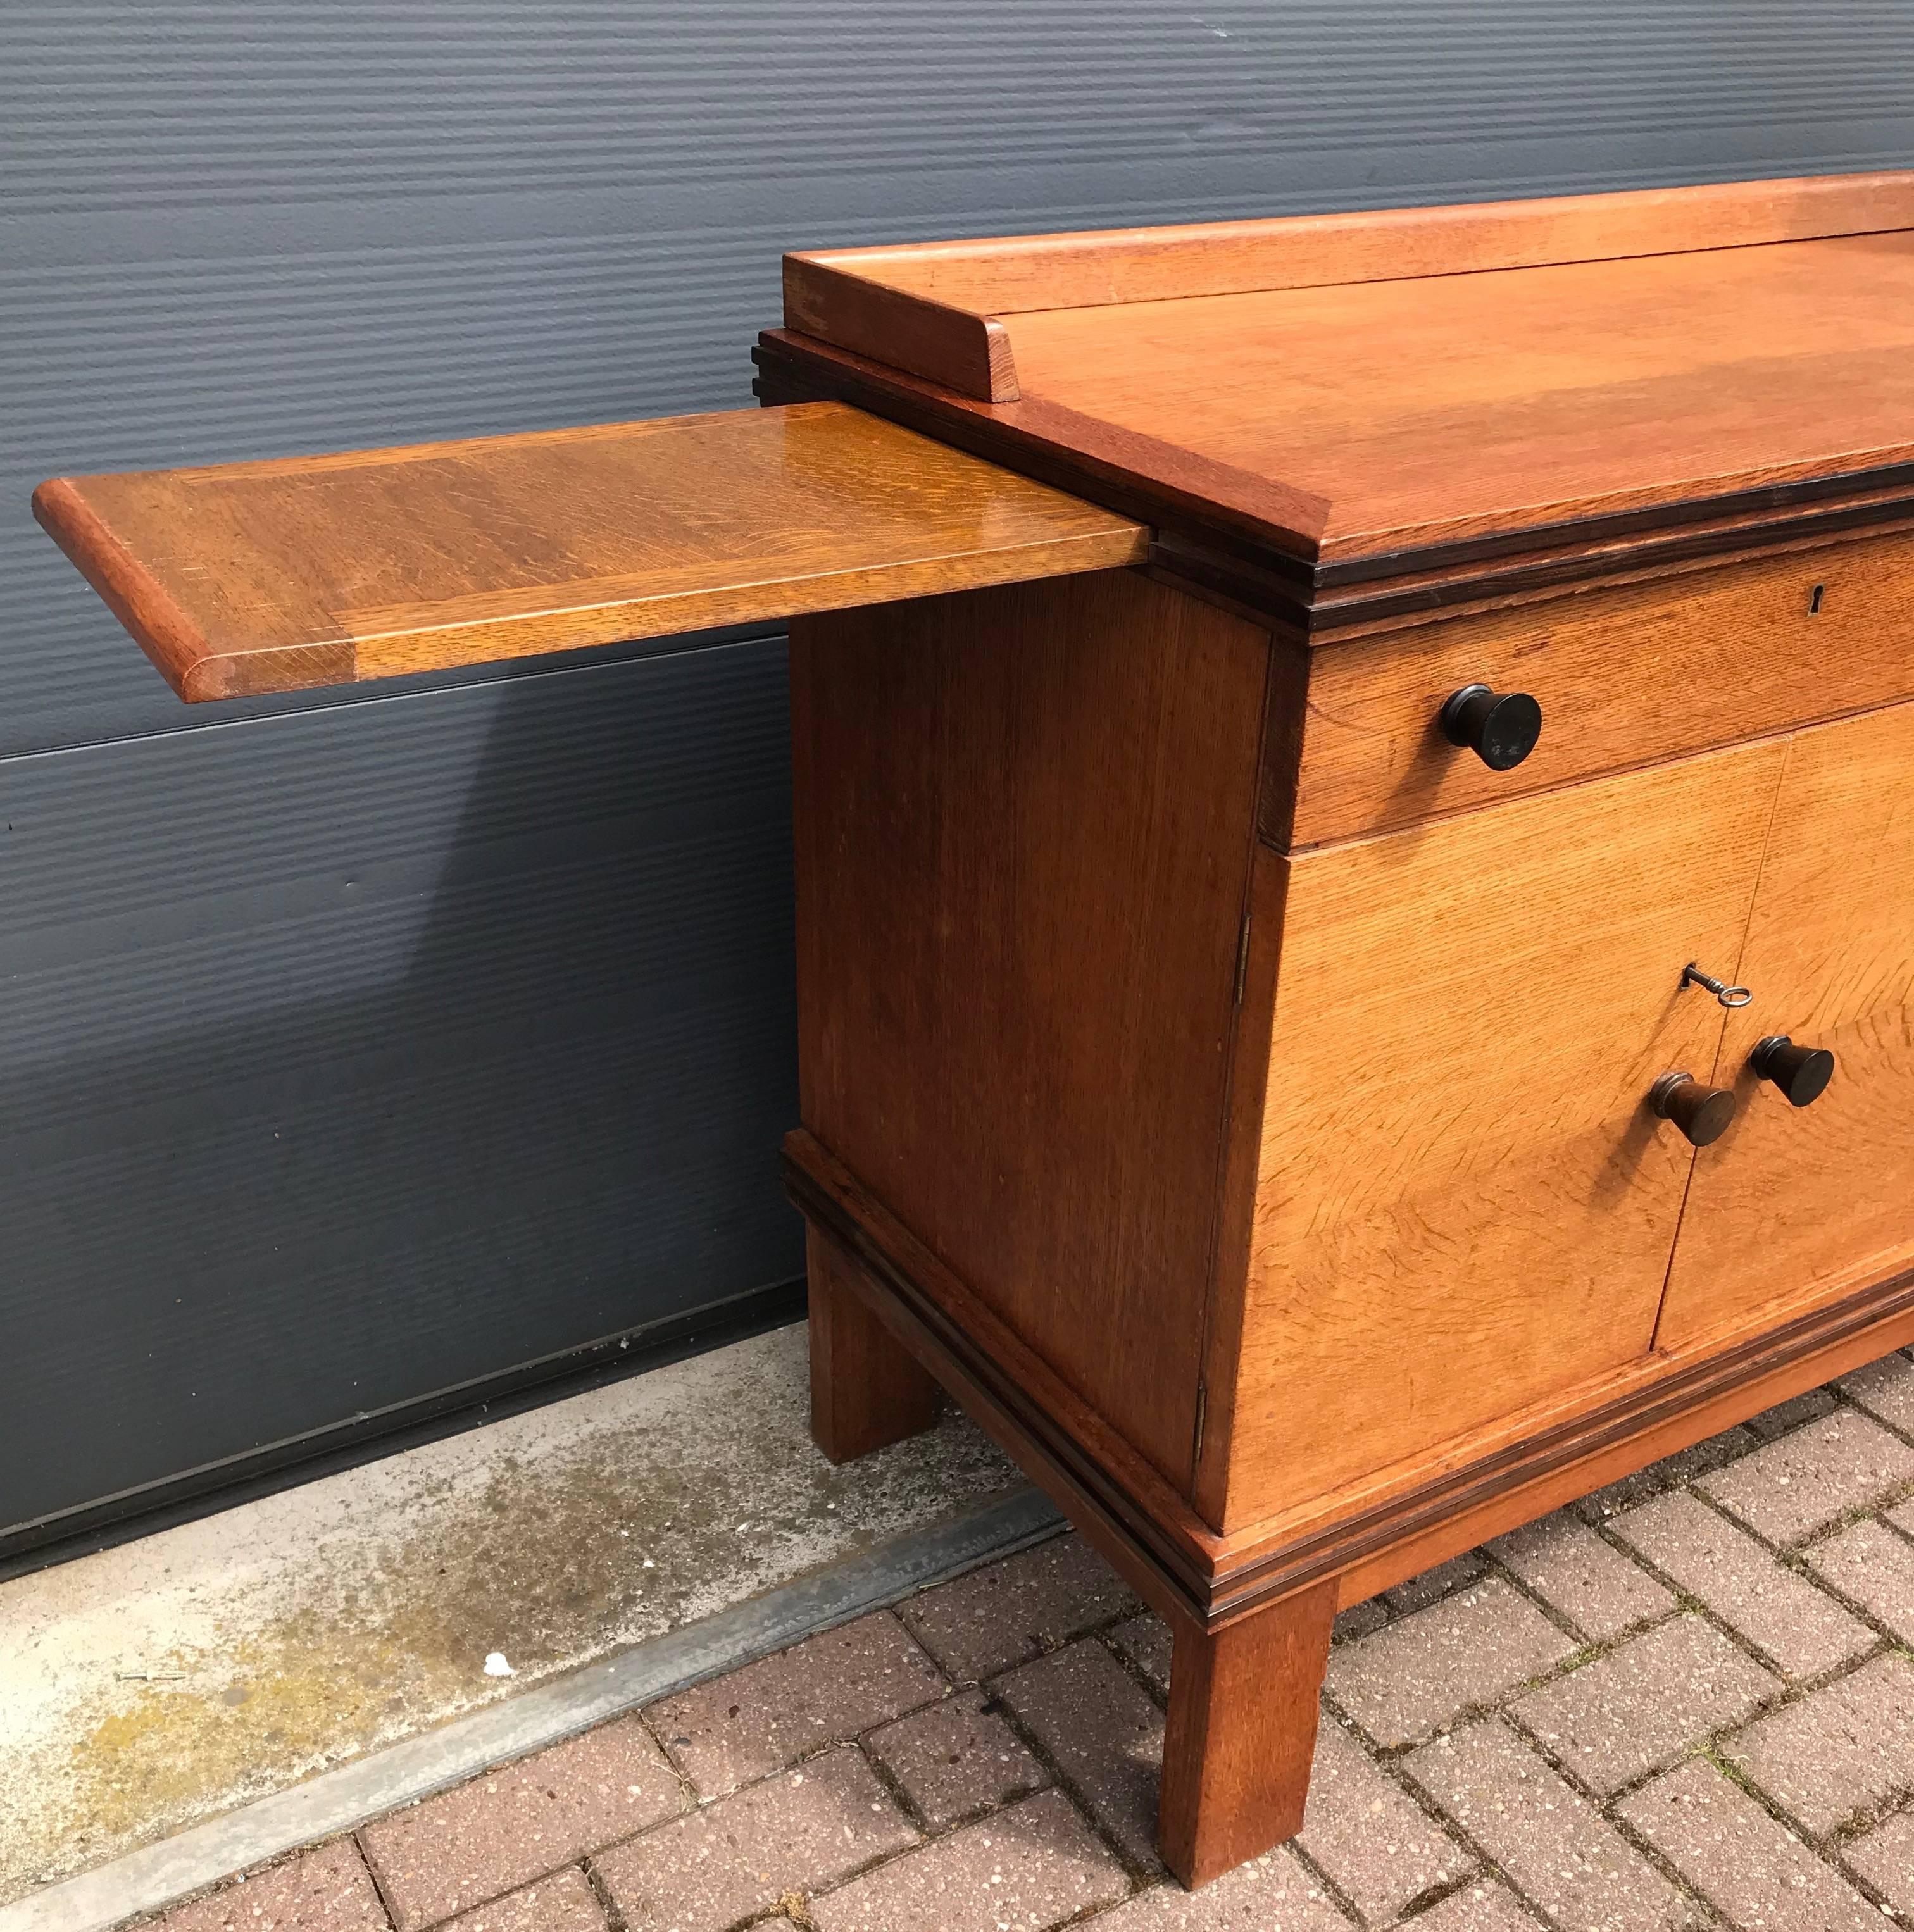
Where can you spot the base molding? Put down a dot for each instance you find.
(1180, 1565)
(1656, 1415)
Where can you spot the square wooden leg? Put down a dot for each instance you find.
(866, 1388)
(1242, 1733)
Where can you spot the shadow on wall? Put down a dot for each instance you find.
(349, 1055)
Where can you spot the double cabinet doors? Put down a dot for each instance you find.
(1797, 1205)
(1464, 1204)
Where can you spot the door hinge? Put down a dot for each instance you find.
(1242, 959)
(1202, 1408)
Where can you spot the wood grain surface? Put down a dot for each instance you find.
(1122, 1503)
(1427, 412)
(1251, 543)
(1387, 1525)
(1798, 1204)
(839, 295)
(867, 1390)
(1661, 1405)
(1397, 393)
(1464, 1204)
(967, 352)
(1241, 1733)
(251, 577)
(1024, 823)
(1626, 677)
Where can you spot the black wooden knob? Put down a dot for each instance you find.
(1500, 728)
(1802, 1072)
(1701, 1113)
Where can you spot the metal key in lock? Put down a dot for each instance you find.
(1729, 996)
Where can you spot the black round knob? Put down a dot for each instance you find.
(1702, 1113)
(1802, 1072)
(1500, 728)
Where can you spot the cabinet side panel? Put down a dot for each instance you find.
(1023, 819)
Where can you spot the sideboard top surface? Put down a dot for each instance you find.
(1381, 388)
(1337, 422)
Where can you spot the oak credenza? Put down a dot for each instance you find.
(1354, 785)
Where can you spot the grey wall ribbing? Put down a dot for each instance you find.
(351, 1048)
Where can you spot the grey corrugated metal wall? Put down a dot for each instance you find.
(353, 1048)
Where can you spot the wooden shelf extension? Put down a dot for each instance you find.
(251, 577)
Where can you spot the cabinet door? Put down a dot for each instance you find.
(1798, 1204)
(1464, 1204)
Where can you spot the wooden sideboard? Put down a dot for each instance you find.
(1354, 785)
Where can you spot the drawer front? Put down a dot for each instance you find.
(1625, 677)
(1795, 1205)
(1463, 1203)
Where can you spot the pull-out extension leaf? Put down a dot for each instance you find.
(249, 577)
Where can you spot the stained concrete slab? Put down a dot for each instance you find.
(170, 1680)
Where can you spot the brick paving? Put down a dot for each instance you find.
(1642, 1705)
(957, 1759)
(1421, 1672)
(1800, 1630)
(1745, 1863)
(1685, 1702)
(1587, 1582)
(328, 1889)
(565, 1902)
(1101, 1731)
(795, 1833)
